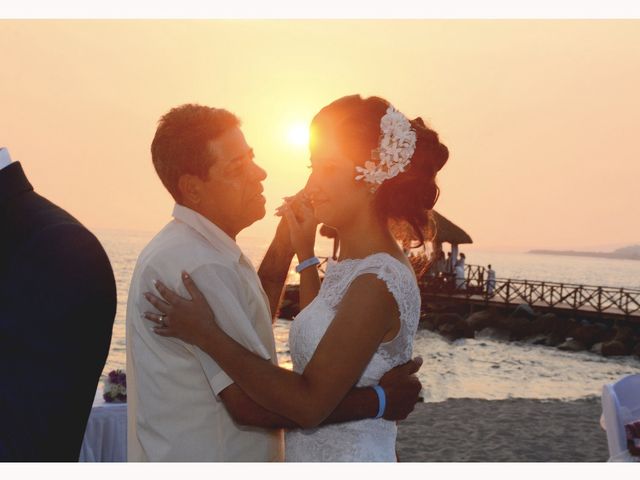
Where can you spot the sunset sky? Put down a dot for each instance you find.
(542, 118)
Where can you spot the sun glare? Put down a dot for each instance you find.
(298, 135)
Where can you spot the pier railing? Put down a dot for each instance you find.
(509, 291)
(587, 298)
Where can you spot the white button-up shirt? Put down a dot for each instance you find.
(5, 158)
(174, 412)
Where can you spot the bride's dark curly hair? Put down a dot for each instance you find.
(354, 122)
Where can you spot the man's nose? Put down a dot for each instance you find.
(258, 172)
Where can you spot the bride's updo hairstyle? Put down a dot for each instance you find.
(354, 123)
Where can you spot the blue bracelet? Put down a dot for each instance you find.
(307, 263)
(382, 401)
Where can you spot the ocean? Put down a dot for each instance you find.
(485, 368)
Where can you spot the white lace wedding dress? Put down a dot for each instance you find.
(363, 440)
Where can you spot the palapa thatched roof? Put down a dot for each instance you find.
(438, 230)
(448, 232)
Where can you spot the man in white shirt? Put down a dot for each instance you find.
(182, 406)
(491, 280)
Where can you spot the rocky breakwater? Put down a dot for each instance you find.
(524, 324)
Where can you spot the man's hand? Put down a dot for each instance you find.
(401, 387)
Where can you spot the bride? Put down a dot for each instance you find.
(369, 165)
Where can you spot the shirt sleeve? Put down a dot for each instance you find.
(223, 289)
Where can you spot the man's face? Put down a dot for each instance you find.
(232, 196)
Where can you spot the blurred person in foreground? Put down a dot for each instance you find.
(57, 305)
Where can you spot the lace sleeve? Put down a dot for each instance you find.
(401, 283)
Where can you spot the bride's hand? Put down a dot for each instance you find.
(192, 321)
(302, 224)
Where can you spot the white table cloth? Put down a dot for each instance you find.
(105, 439)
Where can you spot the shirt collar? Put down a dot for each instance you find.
(209, 230)
(5, 158)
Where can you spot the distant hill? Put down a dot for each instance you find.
(625, 253)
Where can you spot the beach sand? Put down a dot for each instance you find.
(516, 430)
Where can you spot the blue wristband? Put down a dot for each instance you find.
(307, 263)
(382, 401)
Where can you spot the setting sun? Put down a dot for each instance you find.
(298, 135)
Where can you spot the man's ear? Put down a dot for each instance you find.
(190, 187)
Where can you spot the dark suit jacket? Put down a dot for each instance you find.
(57, 305)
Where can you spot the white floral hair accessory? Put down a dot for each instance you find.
(394, 152)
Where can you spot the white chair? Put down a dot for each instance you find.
(620, 406)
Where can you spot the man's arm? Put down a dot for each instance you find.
(275, 266)
(400, 384)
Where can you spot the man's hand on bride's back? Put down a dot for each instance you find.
(402, 389)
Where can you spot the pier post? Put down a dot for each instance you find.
(599, 299)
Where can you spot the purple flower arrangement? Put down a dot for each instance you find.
(115, 387)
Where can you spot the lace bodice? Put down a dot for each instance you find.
(363, 440)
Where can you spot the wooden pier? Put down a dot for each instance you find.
(476, 289)
(549, 296)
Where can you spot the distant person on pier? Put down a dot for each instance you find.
(459, 277)
(491, 280)
(459, 272)
(439, 264)
(449, 266)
